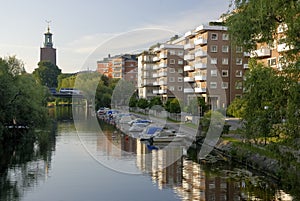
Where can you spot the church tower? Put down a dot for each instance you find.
(48, 53)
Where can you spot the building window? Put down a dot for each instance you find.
(180, 70)
(225, 61)
(180, 61)
(238, 85)
(179, 79)
(214, 73)
(225, 48)
(225, 36)
(224, 73)
(172, 52)
(172, 70)
(238, 73)
(272, 62)
(224, 85)
(214, 36)
(171, 79)
(179, 88)
(239, 49)
(213, 61)
(172, 61)
(239, 61)
(213, 85)
(180, 53)
(214, 48)
(172, 88)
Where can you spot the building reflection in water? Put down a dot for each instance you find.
(170, 168)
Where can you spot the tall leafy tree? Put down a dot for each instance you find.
(46, 74)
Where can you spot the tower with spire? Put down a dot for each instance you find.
(48, 53)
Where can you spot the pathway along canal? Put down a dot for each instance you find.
(110, 166)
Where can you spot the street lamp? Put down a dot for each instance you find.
(265, 133)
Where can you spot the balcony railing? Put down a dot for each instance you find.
(162, 91)
(200, 65)
(189, 46)
(284, 47)
(162, 82)
(188, 90)
(200, 53)
(155, 91)
(189, 79)
(262, 52)
(163, 55)
(200, 41)
(162, 74)
(200, 90)
(200, 77)
(155, 75)
(189, 68)
(155, 67)
(189, 57)
(155, 83)
(156, 58)
(163, 65)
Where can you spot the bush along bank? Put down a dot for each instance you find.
(277, 161)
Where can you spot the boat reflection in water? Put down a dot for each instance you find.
(171, 167)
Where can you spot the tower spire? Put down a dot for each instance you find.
(48, 36)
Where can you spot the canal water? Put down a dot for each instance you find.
(79, 162)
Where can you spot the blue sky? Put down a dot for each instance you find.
(84, 31)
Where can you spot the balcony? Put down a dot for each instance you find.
(200, 65)
(155, 91)
(147, 83)
(246, 66)
(157, 49)
(147, 67)
(163, 65)
(156, 58)
(189, 46)
(155, 75)
(155, 83)
(162, 91)
(162, 82)
(188, 90)
(163, 55)
(162, 74)
(200, 90)
(189, 57)
(262, 52)
(247, 54)
(189, 68)
(189, 79)
(200, 53)
(155, 67)
(200, 41)
(284, 47)
(200, 77)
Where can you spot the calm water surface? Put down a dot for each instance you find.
(92, 165)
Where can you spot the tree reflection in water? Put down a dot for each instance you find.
(24, 162)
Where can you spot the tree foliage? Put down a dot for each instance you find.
(47, 73)
(255, 21)
(23, 100)
(143, 103)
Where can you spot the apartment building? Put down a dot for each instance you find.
(119, 66)
(162, 72)
(145, 75)
(273, 54)
(213, 68)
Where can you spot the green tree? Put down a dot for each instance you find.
(155, 101)
(143, 103)
(23, 100)
(255, 21)
(173, 105)
(66, 80)
(47, 73)
(236, 108)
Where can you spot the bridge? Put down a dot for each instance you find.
(66, 95)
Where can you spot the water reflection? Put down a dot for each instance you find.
(188, 179)
(24, 164)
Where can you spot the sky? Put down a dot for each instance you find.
(85, 31)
